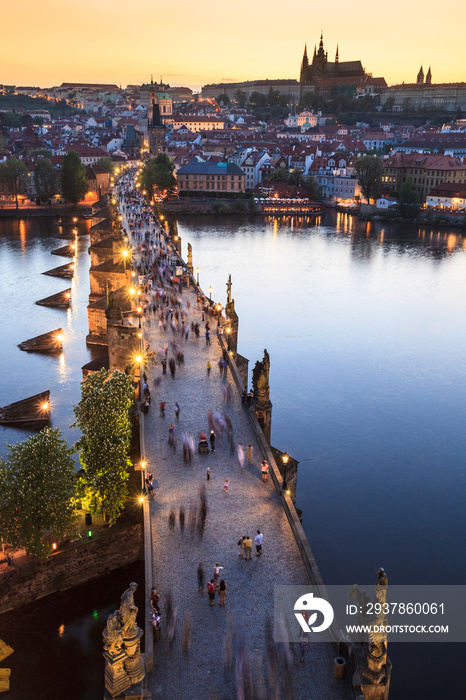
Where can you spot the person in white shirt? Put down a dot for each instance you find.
(258, 541)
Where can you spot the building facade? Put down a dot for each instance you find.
(199, 176)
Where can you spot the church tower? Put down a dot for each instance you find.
(420, 77)
(429, 77)
(156, 129)
(304, 66)
(320, 59)
(336, 55)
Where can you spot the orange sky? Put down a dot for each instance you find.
(192, 44)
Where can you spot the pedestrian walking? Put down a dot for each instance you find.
(171, 521)
(172, 366)
(258, 542)
(162, 409)
(164, 366)
(247, 545)
(211, 591)
(264, 470)
(222, 592)
(209, 367)
(200, 578)
(250, 454)
(241, 455)
(212, 440)
(241, 546)
(181, 518)
(208, 474)
(226, 483)
(177, 410)
(217, 570)
(207, 337)
(303, 645)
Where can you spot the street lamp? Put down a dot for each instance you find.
(198, 269)
(285, 459)
(228, 336)
(210, 294)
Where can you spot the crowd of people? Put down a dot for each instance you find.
(163, 305)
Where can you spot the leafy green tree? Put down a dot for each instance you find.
(38, 493)
(310, 99)
(74, 184)
(258, 99)
(223, 97)
(102, 416)
(310, 184)
(158, 172)
(46, 152)
(45, 179)
(11, 120)
(370, 170)
(240, 97)
(409, 200)
(13, 174)
(279, 175)
(388, 104)
(295, 177)
(107, 163)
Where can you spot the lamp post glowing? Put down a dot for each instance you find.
(125, 254)
(228, 336)
(285, 459)
(210, 294)
(197, 273)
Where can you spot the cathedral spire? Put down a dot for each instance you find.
(336, 55)
(429, 77)
(420, 77)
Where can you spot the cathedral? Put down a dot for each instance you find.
(340, 76)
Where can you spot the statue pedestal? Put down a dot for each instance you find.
(264, 416)
(134, 663)
(117, 679)
(377, 674)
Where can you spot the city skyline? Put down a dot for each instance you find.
(117, 43)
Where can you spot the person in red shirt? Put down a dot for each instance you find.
(211, 591)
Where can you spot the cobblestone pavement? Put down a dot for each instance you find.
(207, 670)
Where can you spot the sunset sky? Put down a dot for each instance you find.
(194, 43)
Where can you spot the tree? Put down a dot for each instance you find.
(388, 104)
(296, 177)
(13, 175)
(11, 120)
(310, 184)
(38, 493)
(47, 153)
(370, 170)
(45, 179)
(279, 175)
(223, 97)
(408, 199)
(258, 99)
(158, 172)
(102, 417)
(107, 163)
(74, 184)
(240, 97)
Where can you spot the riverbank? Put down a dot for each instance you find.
(55, 210)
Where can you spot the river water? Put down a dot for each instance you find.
(365, 328)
